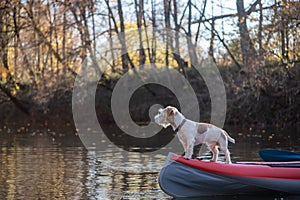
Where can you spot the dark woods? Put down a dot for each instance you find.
(43, 44)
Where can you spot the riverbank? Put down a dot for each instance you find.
(271, 101)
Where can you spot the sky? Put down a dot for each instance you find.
(227, 26)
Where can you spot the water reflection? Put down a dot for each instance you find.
(36, 166)
(28, 173)
(132, 179)
(49, 170)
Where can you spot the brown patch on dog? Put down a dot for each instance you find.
(170, 116)
(202, 128)
(170, 111)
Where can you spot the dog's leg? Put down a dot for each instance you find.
(227, 154)
(189, 150)
(224, 148)
(228, 159)
(196, 151)
(184, 150)
(183, 144)
(215, 152)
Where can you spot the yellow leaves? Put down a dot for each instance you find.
(3, 73)
(291, 8)
(17, 87)
(133, 45)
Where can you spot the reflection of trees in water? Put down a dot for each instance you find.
(127, 179)
(30, 172)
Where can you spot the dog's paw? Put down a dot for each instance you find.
(194, 156)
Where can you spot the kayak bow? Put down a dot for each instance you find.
(194, 178)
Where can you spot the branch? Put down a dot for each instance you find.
(252, 8)
(220, 39)
(14, 100)
(248, 12)
(45, 40)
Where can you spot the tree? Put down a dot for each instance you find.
(247, 48)
(139, 9)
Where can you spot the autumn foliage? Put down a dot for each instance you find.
(44, 43)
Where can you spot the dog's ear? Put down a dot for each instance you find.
(170, 111)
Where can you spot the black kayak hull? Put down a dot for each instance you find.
(181, 181)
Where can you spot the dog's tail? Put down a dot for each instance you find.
(230, 139)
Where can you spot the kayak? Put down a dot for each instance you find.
(274, 155)
(181, 178)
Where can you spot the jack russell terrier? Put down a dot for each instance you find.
(192, 133)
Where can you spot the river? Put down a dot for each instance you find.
(42, 165)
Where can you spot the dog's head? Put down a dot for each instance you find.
(165, 116)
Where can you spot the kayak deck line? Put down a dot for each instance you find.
(246, 169)
(290, 164)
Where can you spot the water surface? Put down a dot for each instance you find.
(38, 165)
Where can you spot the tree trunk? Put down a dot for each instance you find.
(122, 38)
(201, 18)
(259, 37)
(191, 46)
(248, 51)
(153, 45)
(212, 38)
(139, 9)
(168, 27)
(111, 44)
(176, 52)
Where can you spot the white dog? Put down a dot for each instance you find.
(191, 133)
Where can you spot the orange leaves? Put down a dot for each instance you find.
(3, 73)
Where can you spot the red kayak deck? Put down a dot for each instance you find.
(247, 169)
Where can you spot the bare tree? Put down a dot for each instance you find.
(211, 44)
(176, 49)
(6, 34)
(168, 36)
(248, 50)
(122, 37)
(191, 46)
(139, 10)
(152, 55)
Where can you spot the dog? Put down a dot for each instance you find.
(192, 133)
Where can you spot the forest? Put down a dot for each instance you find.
(255, 45)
